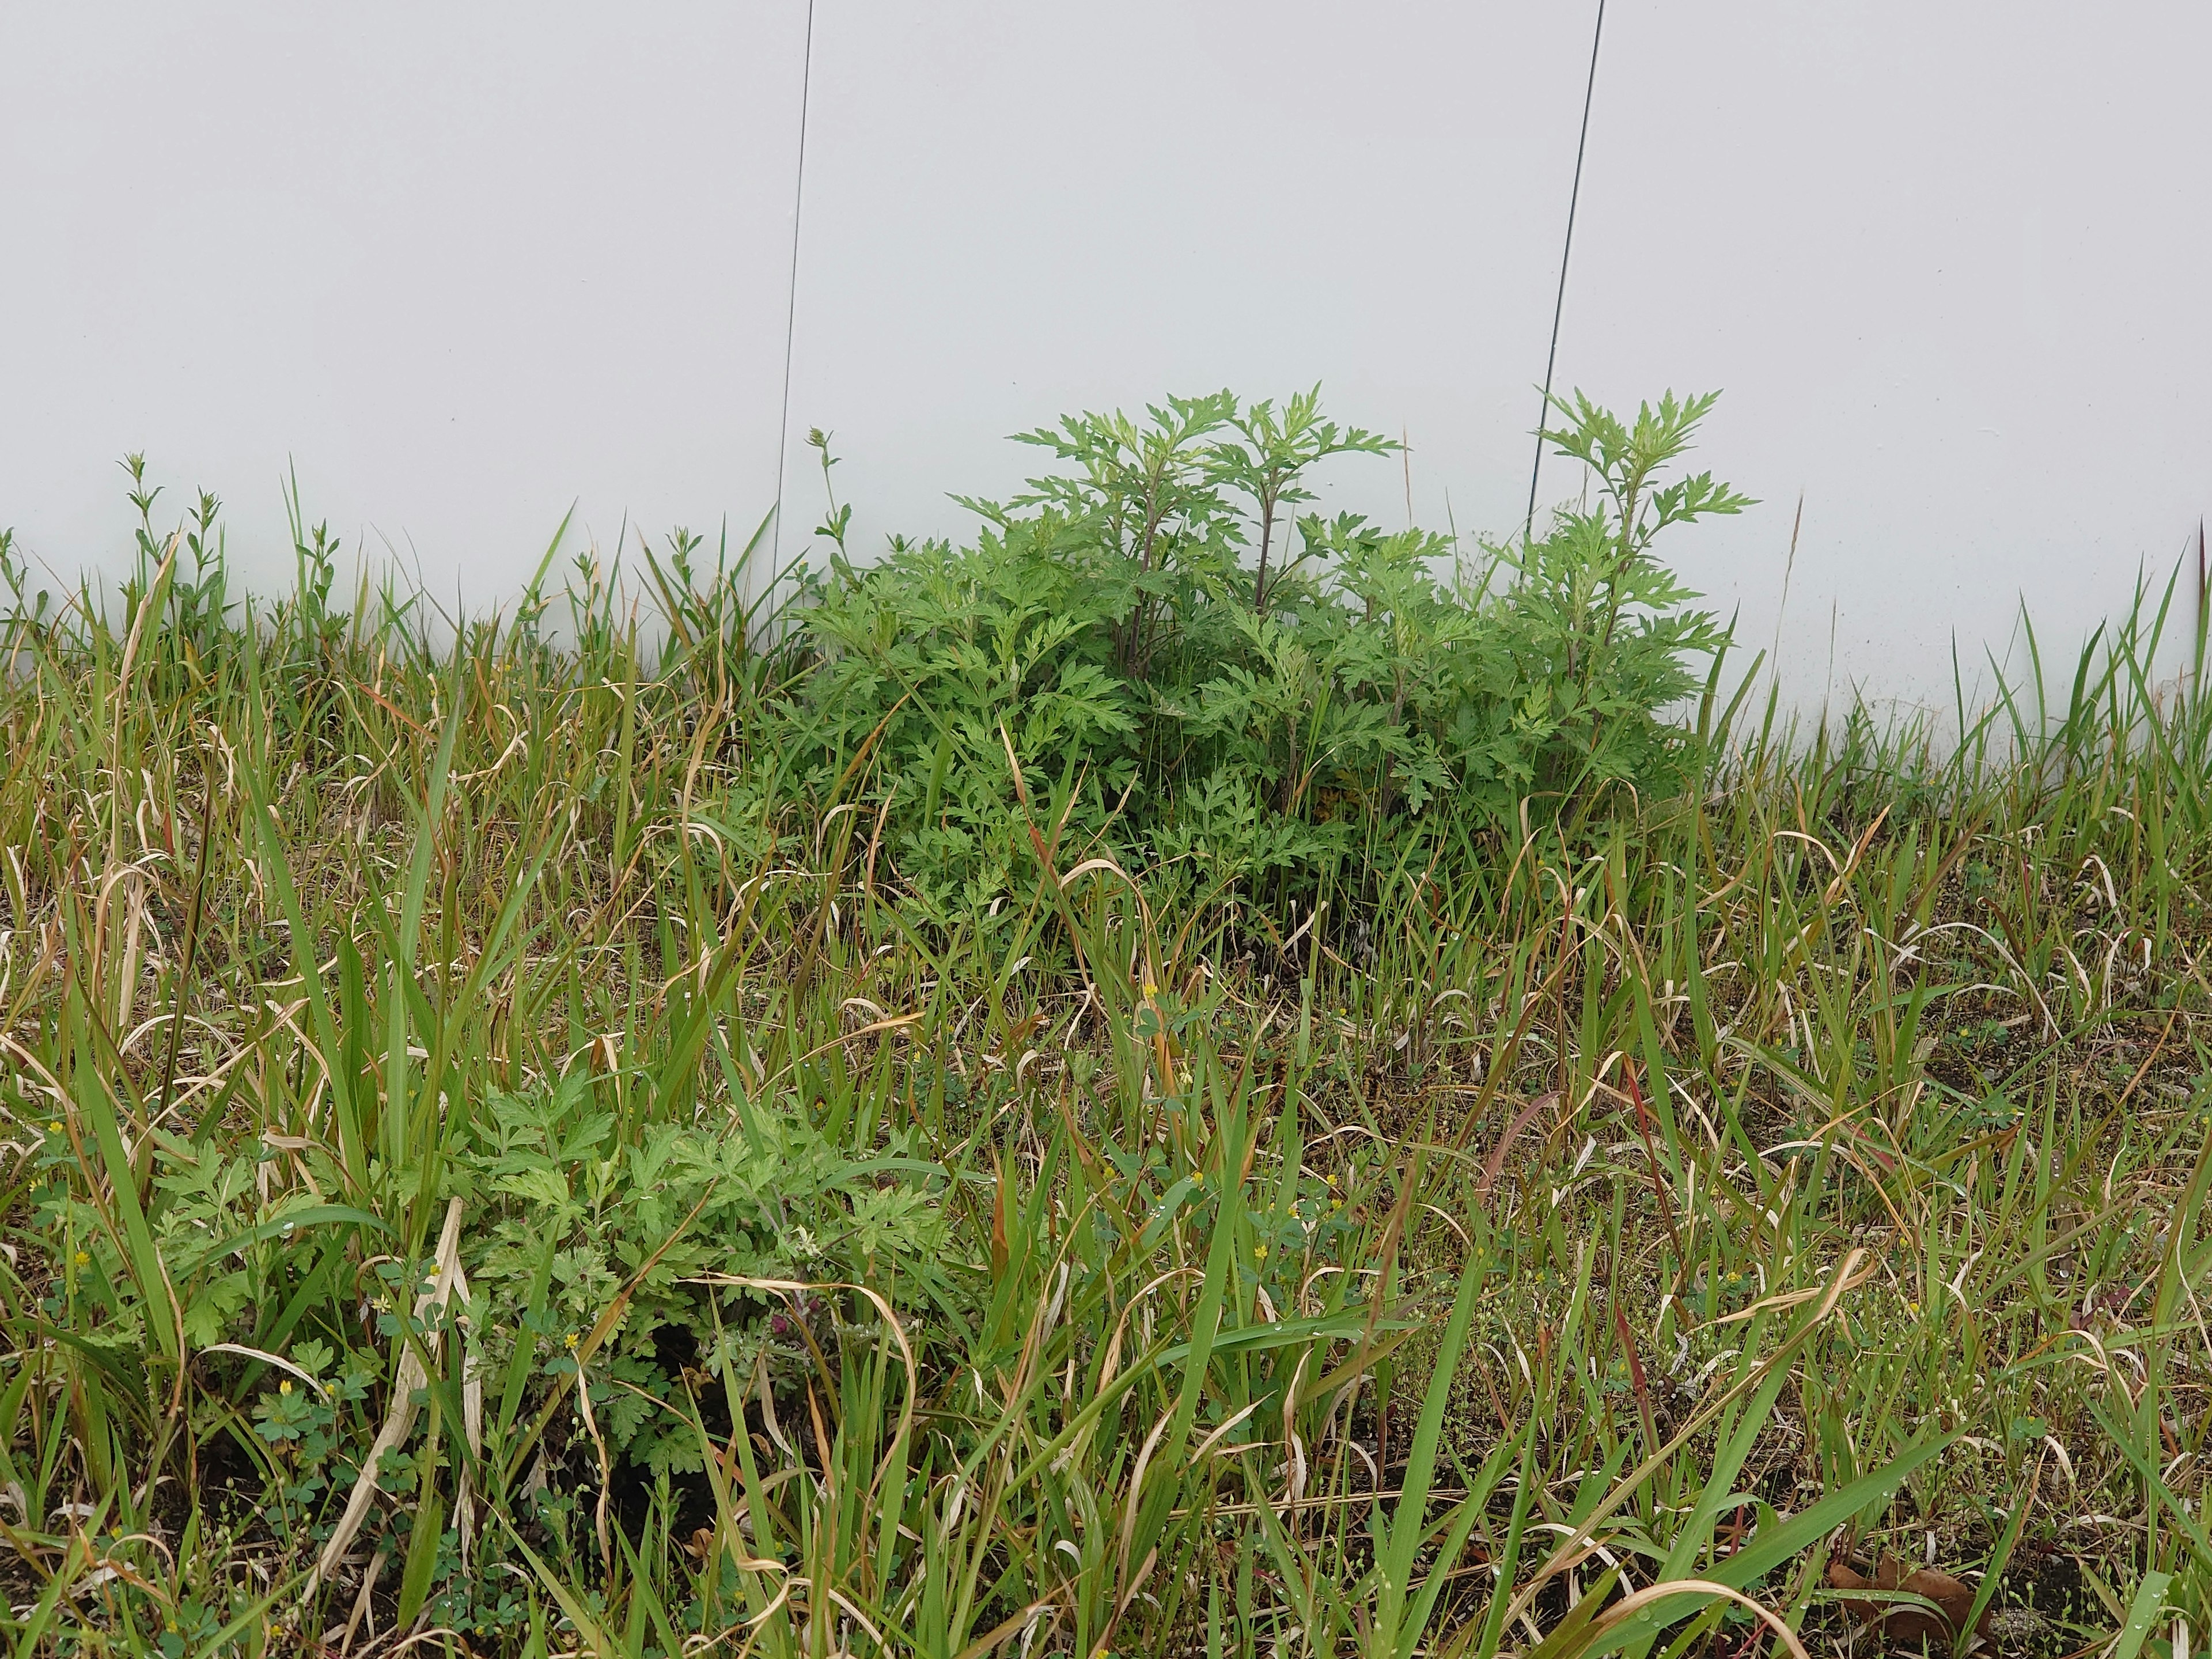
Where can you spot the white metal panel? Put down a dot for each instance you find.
(1013, 210)
(1948, 263)
(467, 263)
(464, 264)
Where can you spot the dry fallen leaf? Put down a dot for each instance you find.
(1904, 1625)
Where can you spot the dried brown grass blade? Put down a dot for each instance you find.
(399, 1415)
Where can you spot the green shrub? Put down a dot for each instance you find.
(1138, 631)
(572, 1210)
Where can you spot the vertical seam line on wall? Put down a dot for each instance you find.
(1560, 304)
(791, 298)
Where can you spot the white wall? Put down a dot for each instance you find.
(464, 264)
(1014, 210)
(1950, 262)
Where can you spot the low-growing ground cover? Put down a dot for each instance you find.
(1181, 1078)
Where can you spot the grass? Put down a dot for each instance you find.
(419, 1056)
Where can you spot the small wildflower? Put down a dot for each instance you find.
(1151, 990)
(83, 1259)
(1262, 1253)
(572, 1340)
(1735, 1279)
(1913, 1308)
(284, 1387)
(55, 1128)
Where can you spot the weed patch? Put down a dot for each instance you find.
(1187, 1076)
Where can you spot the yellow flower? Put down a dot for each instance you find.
(284, 1387)
(83, 1260)
(1261, 1252)
(571, 1338)
(1151, 990)
(55, 1128)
